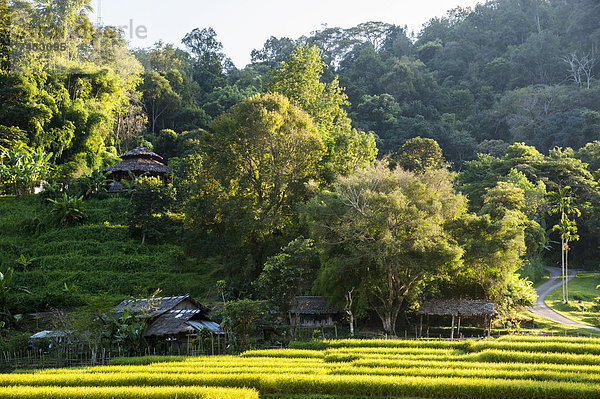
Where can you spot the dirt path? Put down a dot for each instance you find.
(541, 309)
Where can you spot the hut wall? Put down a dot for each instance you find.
(316, 320)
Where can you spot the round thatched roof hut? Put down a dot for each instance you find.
(139, 161)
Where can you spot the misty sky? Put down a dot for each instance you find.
(245, 25)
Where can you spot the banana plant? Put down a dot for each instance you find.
(67, 210)
(92, 183)
(8, 291)
(24, 168)
(126, 331)
(129, 186)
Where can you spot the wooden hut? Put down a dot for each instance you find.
(139, 161)
(313, 311)
(171, 319)
(458, 309)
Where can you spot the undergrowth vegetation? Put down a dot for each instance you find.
(63, 266)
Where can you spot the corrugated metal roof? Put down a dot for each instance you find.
(151, 307)
(176, 322)
(214, 328)
(50, 334)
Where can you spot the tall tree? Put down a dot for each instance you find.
(253, 175)
(382, 231)
(210, 62)
(203, 44)
(274, 52)
(151, 200)
(299, 79)
(158, 97)
(420, 154)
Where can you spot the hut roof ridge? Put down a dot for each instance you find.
(312, 305)
(458, 307)
(132, 164)
(152, 306)
(141, 152)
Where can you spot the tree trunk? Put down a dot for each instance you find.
(388, 320)
(348, 309)
(154, 117)
(567, 273)
(562, 254)
(292, 329)
(4, 312)
(388, 325)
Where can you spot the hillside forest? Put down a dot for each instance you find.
(454, 162)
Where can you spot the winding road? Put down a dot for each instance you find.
(541, 309)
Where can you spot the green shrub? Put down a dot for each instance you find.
(533, 269)
(15, 343)
(99, 256)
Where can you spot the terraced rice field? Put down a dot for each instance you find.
(513, 367)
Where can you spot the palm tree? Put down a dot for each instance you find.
(567, 229)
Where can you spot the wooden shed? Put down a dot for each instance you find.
(139, 161)
(313, 311)
(458, 309)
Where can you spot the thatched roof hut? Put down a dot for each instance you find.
(312, 311)
(170, 317)
(172, 322)
(138, 161)
(312, 305)
(458, 307)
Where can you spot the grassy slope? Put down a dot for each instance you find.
(96, 258)
(582, 291)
